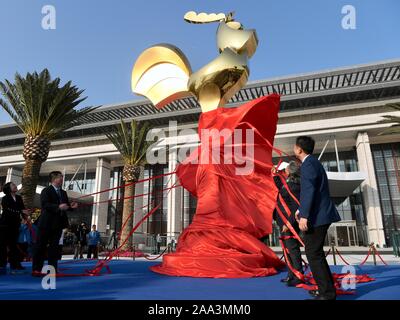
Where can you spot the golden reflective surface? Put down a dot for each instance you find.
(241, 41)
(162, 73)
(193, 17)
(229, 72)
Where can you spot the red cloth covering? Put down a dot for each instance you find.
(233, 211)
(348, 279)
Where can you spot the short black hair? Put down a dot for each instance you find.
(7, 188)
(54, 174)
(306, 143)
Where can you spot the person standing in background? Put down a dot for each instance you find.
(81, 235)
(61, 243)
(93, 243)
(75, 242)
(112, 241)
(158, 242)
(13, 210)
(33, 230)
(53, 219)
(173, 243)
(315, 214)
(292, 173)
(24, 240)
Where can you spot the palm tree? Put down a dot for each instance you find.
(395, 127)
(130, 141)
(42, 109)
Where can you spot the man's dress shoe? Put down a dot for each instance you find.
(313, 293)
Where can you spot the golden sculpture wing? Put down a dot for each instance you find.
(161, 74)
(193, 17)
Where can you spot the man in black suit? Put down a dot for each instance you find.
(53, 219)
(13, 210)
(292, 172)
(316, 213)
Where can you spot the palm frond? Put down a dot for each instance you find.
(130, 141)
(40, 106)
(394, 120)
(388, 119)
(395, 106)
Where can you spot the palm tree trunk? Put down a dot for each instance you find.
(130, 174)
(30, 177)
(127, 210)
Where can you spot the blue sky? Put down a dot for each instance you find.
(96, 42)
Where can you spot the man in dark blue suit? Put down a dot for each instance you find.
(315, 214)
(52, 220)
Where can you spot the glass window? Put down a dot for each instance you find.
(387, 169)
(157, 222)
(81, 183)
(379, 164)
(189, 208)
(352, 207)
(389, 164)
(381, 179)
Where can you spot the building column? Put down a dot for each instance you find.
(369, 189)
(186, 216)
(114, 194)
(102, 182)
(139, 236)
(14, 175)
(174, 210)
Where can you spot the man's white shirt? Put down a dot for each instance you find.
(302, 161)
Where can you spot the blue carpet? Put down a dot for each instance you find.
(134, 280)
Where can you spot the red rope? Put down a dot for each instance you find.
(125, 198)
(152, 203)
(289, 225)
(305, 278)
(337, 251)
(377, 253)
(129, 217)
(327, 254)
(118, 187)
(128, 184)
(287, 188)
(103, 263)
(145, 256)
(371, 249)
(366, 258)
(298, 274)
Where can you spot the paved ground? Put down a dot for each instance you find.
(351, 255)
(132, 280)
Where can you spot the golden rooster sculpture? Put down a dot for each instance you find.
(162, 73)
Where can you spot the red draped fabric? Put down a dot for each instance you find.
(234, 209)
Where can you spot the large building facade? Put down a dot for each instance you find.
(339, 108)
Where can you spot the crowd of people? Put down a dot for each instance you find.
(12, 231)
(309, 211)
(304, 213)
(25, 239)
